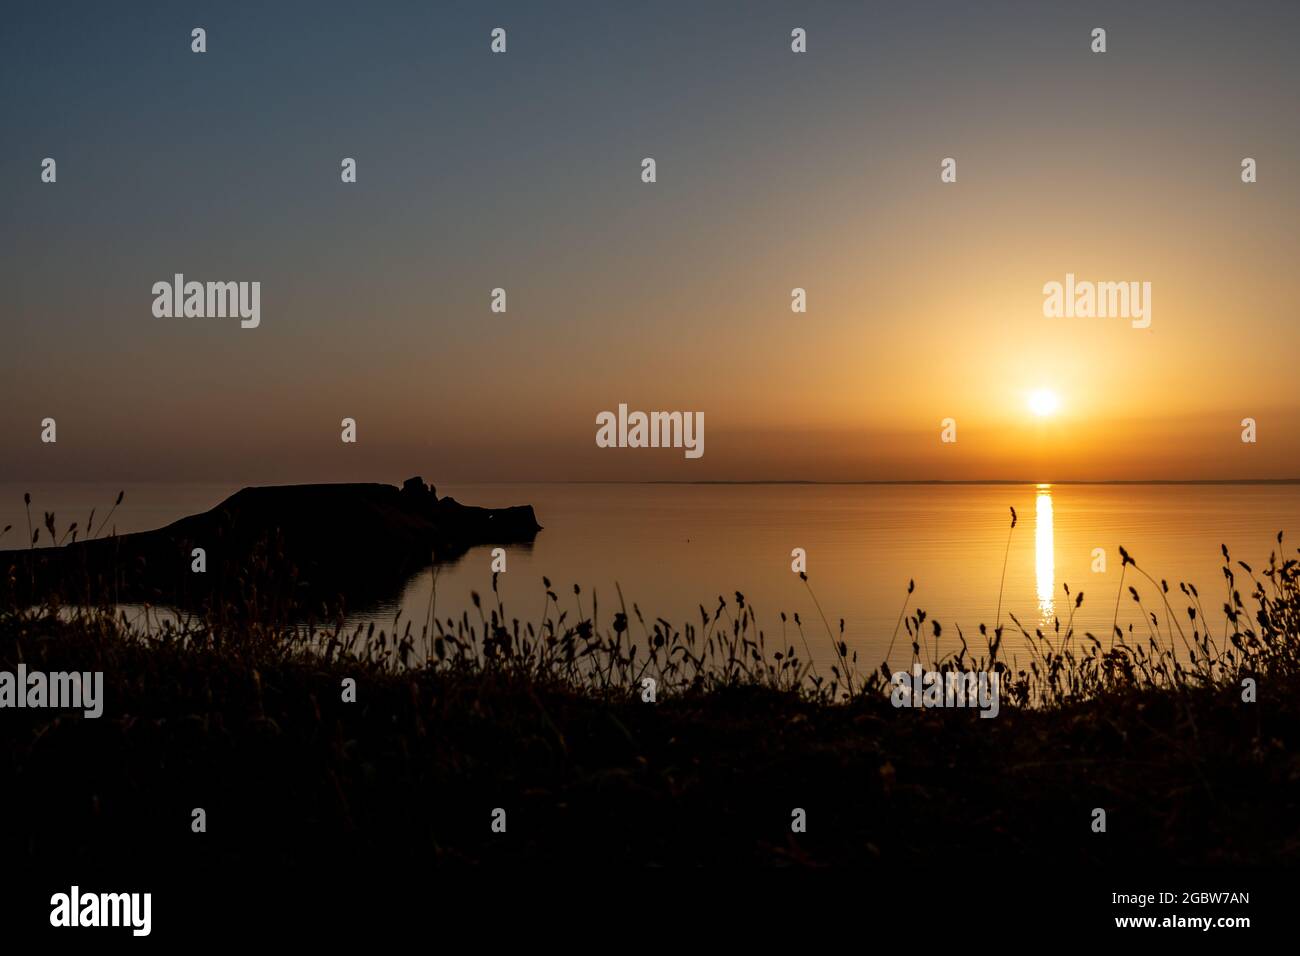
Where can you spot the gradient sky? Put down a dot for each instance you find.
(523, 171)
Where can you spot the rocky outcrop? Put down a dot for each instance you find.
(306, 546)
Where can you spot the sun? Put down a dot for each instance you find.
(1044, 402)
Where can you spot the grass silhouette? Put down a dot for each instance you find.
(242, 713)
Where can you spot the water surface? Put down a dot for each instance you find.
(672, 548)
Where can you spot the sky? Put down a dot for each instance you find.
(522, 171)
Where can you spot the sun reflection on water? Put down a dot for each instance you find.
(1044, 554)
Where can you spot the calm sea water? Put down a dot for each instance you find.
(674, 547)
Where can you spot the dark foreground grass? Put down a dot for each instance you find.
(546, 721)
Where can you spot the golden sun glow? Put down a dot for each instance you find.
(1044, 553)
(1044, 402)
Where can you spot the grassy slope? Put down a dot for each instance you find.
(259, 737)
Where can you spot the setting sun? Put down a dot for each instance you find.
(1044, 402)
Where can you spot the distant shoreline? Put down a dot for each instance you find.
(920, 481)
(719, 481)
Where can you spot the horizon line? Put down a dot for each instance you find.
(905, 481)
(728, 481)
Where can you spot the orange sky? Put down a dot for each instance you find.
(924, 299)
